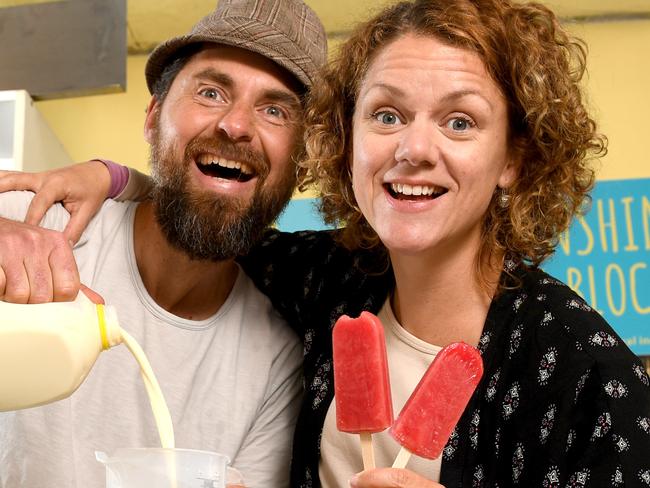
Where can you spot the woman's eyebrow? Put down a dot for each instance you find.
(458, 94)
(452, 96)
(393, 90)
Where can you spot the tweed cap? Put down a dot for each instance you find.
(287, 32)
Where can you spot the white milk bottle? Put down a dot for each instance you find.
(47, 350)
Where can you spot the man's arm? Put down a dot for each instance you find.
(81, 189)
(37, 265)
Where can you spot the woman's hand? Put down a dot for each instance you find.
(391, 478)
(81, 188)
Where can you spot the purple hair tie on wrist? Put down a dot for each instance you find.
(119, 177)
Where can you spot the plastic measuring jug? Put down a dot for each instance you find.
(167, 468)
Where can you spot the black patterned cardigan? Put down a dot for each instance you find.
(563, 402)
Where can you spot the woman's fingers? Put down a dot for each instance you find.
(391, 478)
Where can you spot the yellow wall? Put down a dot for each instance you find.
(104, 125)
(618, 91)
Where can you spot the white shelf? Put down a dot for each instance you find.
(27, 143)
(6, 163)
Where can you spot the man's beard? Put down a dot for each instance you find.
(204, 224)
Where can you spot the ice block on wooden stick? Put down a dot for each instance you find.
(437, 403)
(361, 384)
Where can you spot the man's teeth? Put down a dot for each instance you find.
(227, 163)
(416, 190)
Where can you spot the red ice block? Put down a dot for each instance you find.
(361, 385)
(435, 406)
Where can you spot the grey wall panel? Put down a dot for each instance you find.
(65, 48)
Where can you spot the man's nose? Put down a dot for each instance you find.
(237, 122)
(418, 143)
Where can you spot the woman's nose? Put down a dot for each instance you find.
(417, 144)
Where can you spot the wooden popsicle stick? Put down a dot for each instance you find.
(402, 458)
(367, 452)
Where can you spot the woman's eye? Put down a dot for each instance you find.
(459, 124)
(386, 118)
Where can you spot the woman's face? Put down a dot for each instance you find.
(429, 146)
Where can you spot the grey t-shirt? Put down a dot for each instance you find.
(232, 382)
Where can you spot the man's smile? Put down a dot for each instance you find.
(218, 167)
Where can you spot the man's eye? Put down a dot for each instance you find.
(386, 118)
(276, 112)
(210, 93)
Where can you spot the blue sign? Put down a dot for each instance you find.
(301, 214)
(605, 256)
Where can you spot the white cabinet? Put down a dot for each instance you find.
(26, 141)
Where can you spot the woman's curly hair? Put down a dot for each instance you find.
(538, 67)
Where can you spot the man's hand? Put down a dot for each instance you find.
(92, 295)
(391, 478)
(36, 265)
(81, 188)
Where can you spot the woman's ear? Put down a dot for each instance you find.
(151, 120)
(510, 172)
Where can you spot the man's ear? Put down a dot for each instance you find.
(150, 121)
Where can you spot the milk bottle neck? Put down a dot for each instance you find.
(109, 329)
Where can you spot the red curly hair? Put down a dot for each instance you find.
(538, 67)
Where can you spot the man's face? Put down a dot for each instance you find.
(222, 145)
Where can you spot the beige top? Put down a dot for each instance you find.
(408, 359)
(232, 381)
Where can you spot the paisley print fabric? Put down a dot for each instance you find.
(563, 402)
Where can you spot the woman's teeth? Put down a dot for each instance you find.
(415, 190)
